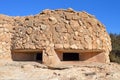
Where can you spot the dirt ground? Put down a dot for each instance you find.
(37, 71)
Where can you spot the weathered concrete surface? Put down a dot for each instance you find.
(54, 29)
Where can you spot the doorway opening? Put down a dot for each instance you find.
(71, 57)
(27, 55)
(39, 56)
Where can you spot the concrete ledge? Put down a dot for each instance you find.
(24, 50)
(80, 51)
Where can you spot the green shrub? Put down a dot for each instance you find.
(115, 53)
(115, 56)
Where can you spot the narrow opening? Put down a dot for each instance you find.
(27, 55)
(39, 56)
(70, 56)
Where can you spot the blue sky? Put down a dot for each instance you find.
(107, 11)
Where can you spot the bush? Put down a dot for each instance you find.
(115, 56)
(115, 53)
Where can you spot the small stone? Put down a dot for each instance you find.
(43, 27)
(26, 46)
(30, 23)
(58, 29)
(66, 46)
(70, 10)
(53, 19)
(51, 45)
(65, 21)
(47, 11)
(73, 46)
(31, 46)
(29, 30)
(58, 46)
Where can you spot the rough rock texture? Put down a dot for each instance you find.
(6, 26)
(58, 29)
(36, 71)
(63, 29)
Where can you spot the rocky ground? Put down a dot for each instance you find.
(37, 71)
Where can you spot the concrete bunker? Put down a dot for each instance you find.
(27, 55)
(54, 36)
(80, 55)
(62, 55)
